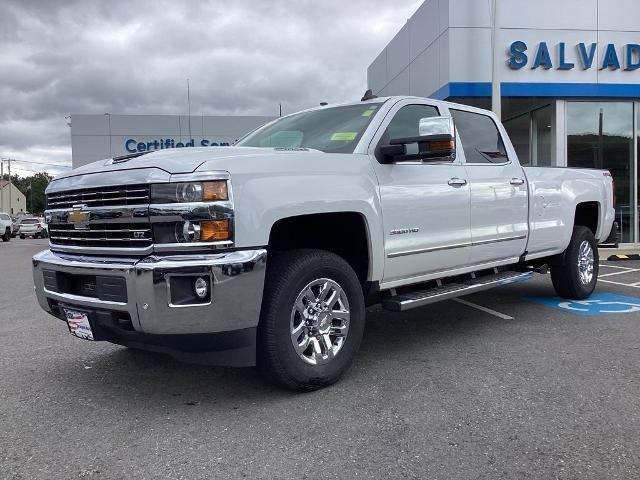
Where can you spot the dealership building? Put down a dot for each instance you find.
(94, 137)
(569, 75)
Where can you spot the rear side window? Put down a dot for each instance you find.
(481, 140)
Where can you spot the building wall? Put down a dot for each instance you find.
(94, 137)
(444, 49)
(18, 200)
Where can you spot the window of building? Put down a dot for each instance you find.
(530, 133)
(600, 135)
(519, 130)
(541, 137)
(481, 140)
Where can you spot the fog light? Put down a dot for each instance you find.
(201, 287)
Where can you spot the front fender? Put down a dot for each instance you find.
(271, 188)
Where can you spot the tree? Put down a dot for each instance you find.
(33, 188)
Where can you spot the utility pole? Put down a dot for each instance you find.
(496, 100)
(10, 208)
(189, 107)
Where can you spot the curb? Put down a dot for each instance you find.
(630, 256)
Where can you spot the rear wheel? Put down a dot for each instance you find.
(312, 319)
(7, 235)
(576, 277)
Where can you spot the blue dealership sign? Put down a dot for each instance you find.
(596, 304)
(584, 56)
(132, 145)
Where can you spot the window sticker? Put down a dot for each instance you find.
(370, 111)
(344, 136)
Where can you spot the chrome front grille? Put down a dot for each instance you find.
(121, 219)
(116, 235)
(100, 197)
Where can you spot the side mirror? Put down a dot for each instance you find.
(436, 141)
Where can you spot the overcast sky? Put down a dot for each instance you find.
(242, 57)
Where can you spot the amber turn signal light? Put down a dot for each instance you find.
(442, 145)
(214, 230)
(212, 191)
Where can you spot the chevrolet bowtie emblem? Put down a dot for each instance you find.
(78, 218)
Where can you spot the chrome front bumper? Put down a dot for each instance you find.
(237, 279)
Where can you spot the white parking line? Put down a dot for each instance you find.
(484, 309)
(620, 273)
(633, 285)
(615, 266)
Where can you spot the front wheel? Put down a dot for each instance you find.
(22, 237)
(576, 276)
(7, 235)
(312, 319)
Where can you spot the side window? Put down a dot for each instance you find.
(481, 140)
(405, 124)
(4, 217)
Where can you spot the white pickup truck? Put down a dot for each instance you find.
(5, 226)
(266, 253)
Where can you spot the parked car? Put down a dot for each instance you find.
(5, 226)
(45, 227)
(400, 201)
(17, 219)
(32, 227)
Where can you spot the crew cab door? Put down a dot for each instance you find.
(425, 205)
(498, 186)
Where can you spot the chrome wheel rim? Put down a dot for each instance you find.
(320, 321)
(585, 263)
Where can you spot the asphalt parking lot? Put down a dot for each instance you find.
(503, 384)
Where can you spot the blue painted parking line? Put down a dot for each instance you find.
(596, 304)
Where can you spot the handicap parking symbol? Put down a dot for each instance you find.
(596, 304)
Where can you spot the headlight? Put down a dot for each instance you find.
(192, 231)
(189, 192)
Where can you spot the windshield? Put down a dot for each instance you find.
(330, 130)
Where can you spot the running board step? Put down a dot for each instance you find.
(419, 298)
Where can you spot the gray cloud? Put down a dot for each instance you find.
(242, 57)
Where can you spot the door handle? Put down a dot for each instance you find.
(516, 181)
(457, 182)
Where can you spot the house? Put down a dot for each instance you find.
(12, 200)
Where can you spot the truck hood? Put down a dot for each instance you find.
(180, 160)
(158, 167)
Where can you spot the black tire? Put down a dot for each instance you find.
(22, 237)
(7, 235)
(565, 272)
(287, 276)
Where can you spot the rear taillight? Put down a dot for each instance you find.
(613, 187)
